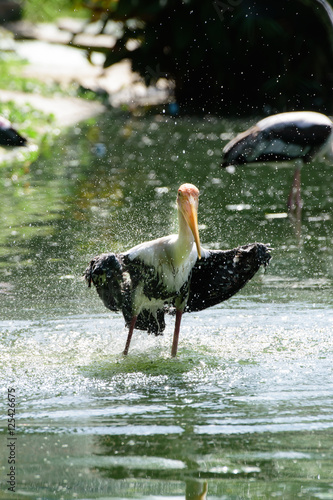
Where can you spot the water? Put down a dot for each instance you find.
(245, 411)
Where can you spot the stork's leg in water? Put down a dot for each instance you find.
(294, 198)
(130, 333)
(295, 202)
(179, 314)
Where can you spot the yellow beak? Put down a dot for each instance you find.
(192, 220)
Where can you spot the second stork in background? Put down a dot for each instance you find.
(293, 136)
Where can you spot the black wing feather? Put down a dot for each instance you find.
(115, 278)
(221, 274)
(106, 273)
(314, 135)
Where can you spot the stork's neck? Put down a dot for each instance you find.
(185, 240)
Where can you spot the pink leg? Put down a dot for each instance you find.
(129, 336)
(176, 333)
(294, 198)
(299, 202)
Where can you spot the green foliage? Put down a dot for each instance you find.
(30, 122)
(36, 11)
(12, 78)
(26, 118)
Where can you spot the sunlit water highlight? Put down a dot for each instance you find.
(246, 408)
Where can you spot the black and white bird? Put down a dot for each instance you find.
(172, 274)
(299, 135)
(8, 135)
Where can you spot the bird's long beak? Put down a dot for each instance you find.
(192, 220)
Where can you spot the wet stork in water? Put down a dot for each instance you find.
(8, 135)
(173, 273)
(299, 135)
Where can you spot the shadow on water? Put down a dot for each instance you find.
(246, 408)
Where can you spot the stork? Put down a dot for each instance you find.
(8, 135)
(298, 135)
(172, 274)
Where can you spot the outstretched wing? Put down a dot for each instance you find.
(220, 274)
(115, 278)
(106, 273)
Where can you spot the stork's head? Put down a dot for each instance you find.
(188, 201)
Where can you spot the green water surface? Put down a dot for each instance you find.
(245, 411)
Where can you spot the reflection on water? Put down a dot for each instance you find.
(245, 411)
